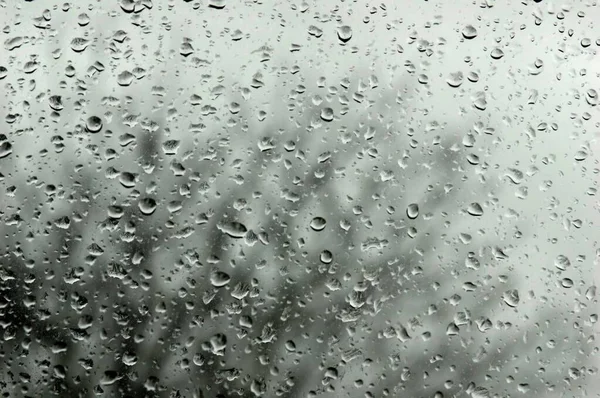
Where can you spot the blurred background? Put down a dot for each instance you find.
(299, 199)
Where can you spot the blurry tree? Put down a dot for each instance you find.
(311, 254)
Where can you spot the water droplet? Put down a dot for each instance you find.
(3, 72)
(469, 32)
(327, 114)
(455, 79)
(562, 262)
(219, 278)
(290, 346)
(13, 43)
(170, 147)
(412, 211)
(511, 298)
(5, 149)
(125, 78)
(473, 77)
(497, 53)
(63, 222)
(79, 44)
(567, 283)
(83, 19)
(475, 209)
(580, 156)
(218, 4)
(233, 228)
(318, 223)
(127, 179)
(326, 257)
(344, 33)
(186, 49)
(93, 124)
(55, 102)
(147, 206)
(129, 358)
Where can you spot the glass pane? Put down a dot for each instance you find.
(222, 198)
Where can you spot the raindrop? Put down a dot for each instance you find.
(326, 257)
(469, 32)
(218, 4)
(475, 209)
(79, 44)
(186, 49)
(327, 114)
(147, 206)
(233, 228)
(13, 43)
(127, 179)
(455, 79)
(170, 147)
(5, 149)
(318, 223)
(93, 124)
(63, 222)
(125, 78)
(412, 211)
(580, 156)
(290, 346)
(497, 53)
(562, 262)
(511, 298)
(567, 283)
(3, 72)
(83, 19)
(55, 102)
(344, 33)
(219, 278)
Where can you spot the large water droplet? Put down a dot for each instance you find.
(218, 4)
(469, 32)
(147, 206)
(125, 78)
(412, 211)
(219, 278)
(475, 209)
(327, 114)
(318, 223)
(511, 298)
(79, 44)
(233, 228)
(455, 79)
(93, 124)
(497, 53)
(55, 102)
(344, 33)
